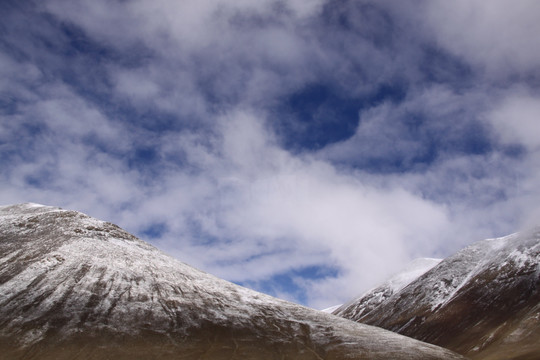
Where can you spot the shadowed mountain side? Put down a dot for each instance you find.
(483, 302)
(73, 287)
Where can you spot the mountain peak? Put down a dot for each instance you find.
(483, 301)
(27, 207)
(373, 298)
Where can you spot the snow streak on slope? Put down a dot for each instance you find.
(331, 309)
(483, 302)
(68, 282)
(375, 297)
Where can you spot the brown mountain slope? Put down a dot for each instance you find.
(73, 287)
(483, 302)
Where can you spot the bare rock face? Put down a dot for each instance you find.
(483, 302)
(73, 287)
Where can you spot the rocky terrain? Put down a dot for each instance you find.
(483, 302)
(73, 287)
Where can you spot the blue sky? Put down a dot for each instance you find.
(307, 149)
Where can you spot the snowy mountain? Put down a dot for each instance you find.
(73, 287)
(483, 302)
(375, 297)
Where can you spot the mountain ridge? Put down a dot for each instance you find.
(371, 299)
(483, 301)
(76, 287)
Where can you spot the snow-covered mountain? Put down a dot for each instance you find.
(74, 287)
(375, 297)
(483, 302)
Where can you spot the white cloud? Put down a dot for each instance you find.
(517, 119)
(261, 203)
(264, 210)
(67, 115)
(498, 35)
(230, 198)
(400, 133)
(239, 51)
(159, 86)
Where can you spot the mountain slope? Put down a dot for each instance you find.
(483, 302)
(377, 296)
(73, 287)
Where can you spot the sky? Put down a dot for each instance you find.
(307, 149)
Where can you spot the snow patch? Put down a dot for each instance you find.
(331, 309)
